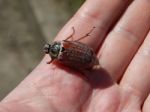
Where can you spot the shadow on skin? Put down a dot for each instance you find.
(97, 78)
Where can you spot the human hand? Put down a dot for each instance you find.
(121, 85)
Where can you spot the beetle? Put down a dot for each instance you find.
(72, 53)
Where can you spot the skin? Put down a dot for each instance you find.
(121, 39)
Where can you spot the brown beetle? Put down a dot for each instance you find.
(72, 53)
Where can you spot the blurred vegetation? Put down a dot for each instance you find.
(73, 5)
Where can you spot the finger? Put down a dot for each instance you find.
(146, 105)
(136, 80)
(124, 40)
(94, 13)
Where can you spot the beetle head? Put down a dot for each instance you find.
(53, 49)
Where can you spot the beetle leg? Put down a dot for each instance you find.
(87, 34)
(71, 36)
(49, 62)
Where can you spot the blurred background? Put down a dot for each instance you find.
(25, 26)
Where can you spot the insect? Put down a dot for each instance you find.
(72, 53)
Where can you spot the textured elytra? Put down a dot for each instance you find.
(77, 55)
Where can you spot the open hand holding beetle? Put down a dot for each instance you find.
(121, 40)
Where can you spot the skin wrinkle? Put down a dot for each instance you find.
(86, 18)
(42, 88)
(145, 49)
(87, 15)
(136, 96)
(130, 96)
(133, 90)
(36, 88)
(96, 95)
(97, 16)
(3, 108)
(9, 107)
(39, 101)
(145, 52)
(46, 89)
(41, 94)
(90, 13)
(129, 34)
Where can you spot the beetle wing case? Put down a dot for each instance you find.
(77, 55)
